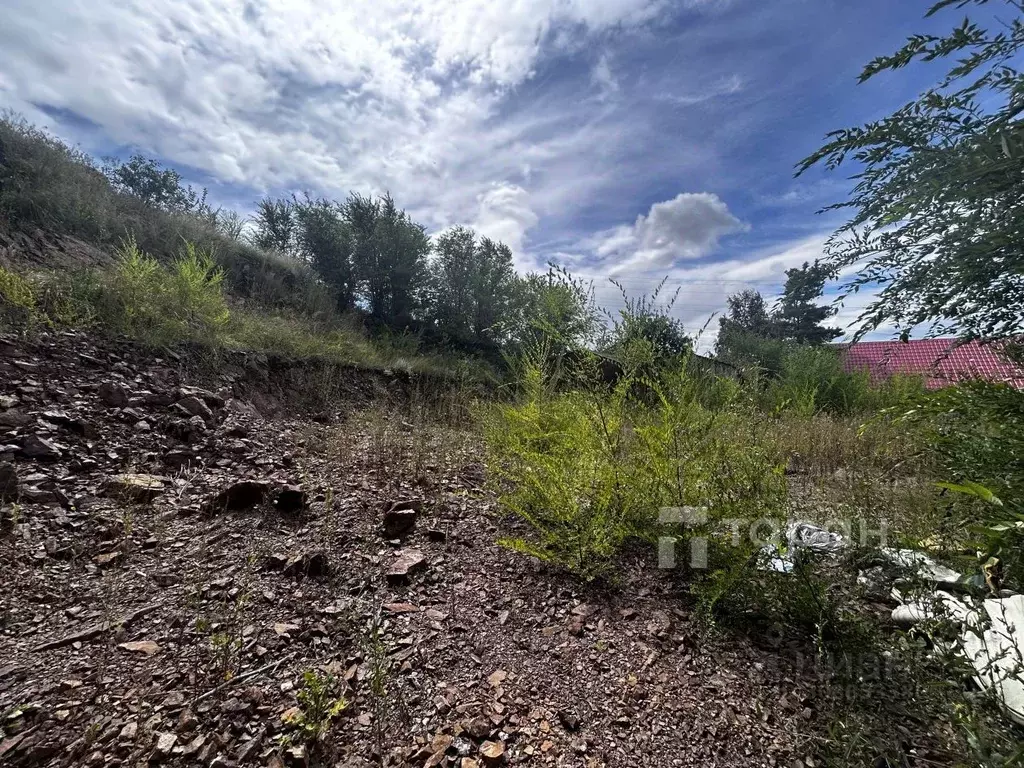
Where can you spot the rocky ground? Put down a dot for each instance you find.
(178, 564)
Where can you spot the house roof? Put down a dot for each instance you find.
(940, 361)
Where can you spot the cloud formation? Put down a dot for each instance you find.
(686, 227)
(280, 95)
(505, 215)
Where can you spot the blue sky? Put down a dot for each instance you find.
(626, 138)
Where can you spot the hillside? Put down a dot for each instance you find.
(178, 560)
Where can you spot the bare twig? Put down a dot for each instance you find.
(244, 676)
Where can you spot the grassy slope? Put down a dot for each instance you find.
(58, 209)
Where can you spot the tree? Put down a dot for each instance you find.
(156, 186)
(274, 225)
(452, 274)
(797, 318)
(471, 287)
(938, 208)
(324, 239)
(747, 334)
(388, 258)
(644, 331)
(747, 312)
(493, 290)
(231, 224)
(554, 310)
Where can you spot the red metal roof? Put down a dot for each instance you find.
(939, 360)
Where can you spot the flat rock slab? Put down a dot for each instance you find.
(135, 487)
(398, 522)
(409, 561)
(36, 447)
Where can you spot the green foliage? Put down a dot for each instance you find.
(976, 431)
(230, 224)
(471, 289)
(811, 379)
(274, 225)
(324, 240)
(936, 214)
(161, 305)
(644, 333)
(47, 184)
(755, 354)
(197, 289)
(319, 704)
(589, 471)
(752, 338)
(797, 318)
(16, 292)
(553, 314)
(748, 335)
(156, 186)
(976, 434)
(388, 258)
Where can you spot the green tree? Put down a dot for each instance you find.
(797, 318)
(451, 282)
(938, 208)
(748, 334)
(231, 224)
(324, 239)
(471, 287)
(388, 258)
(156, 186)
(747, 312)
(274, 225)
(493, 290)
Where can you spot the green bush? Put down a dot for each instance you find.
(975, 434)
(17, 299)
(589, 471)
(811, 380)
(16, 291)
(162, 305)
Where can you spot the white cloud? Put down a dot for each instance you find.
(686, 227)
(505, 214)
(725, 87)
(409, 96)
(603, 77)
(381, 94)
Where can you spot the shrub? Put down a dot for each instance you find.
(161, 305)
(16, 291)
(975, 433)
(811, 380)
(197, 291)
(590, 470)
(319, 705)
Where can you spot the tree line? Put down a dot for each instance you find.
(457, 289)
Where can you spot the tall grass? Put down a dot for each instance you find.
(163, 304)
